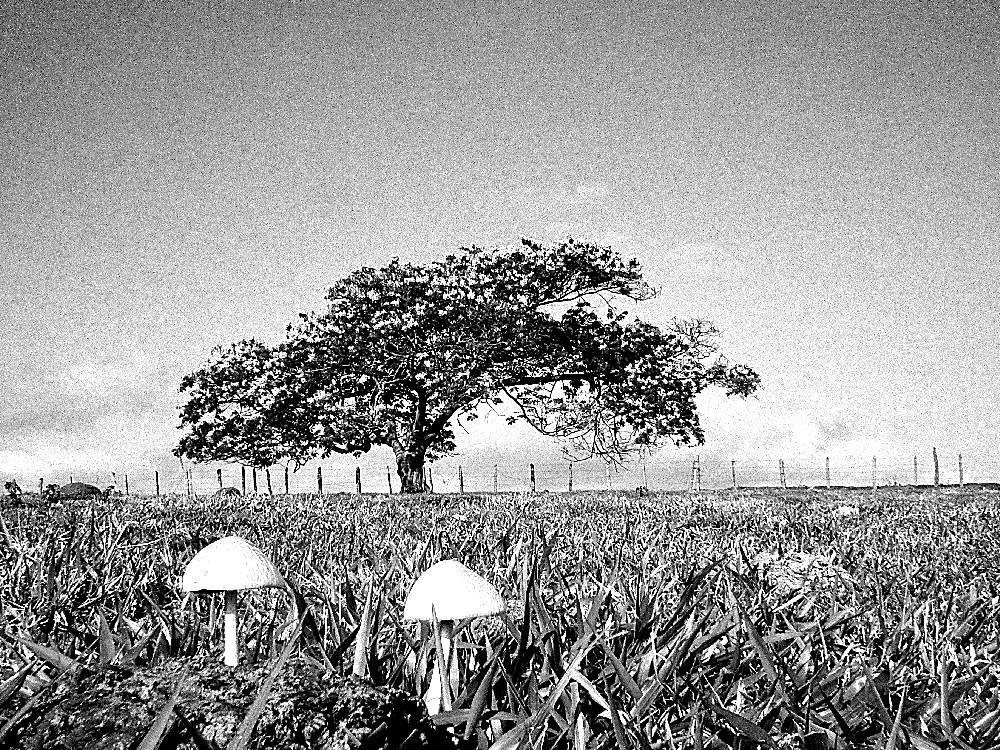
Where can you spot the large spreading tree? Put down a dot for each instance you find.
(402, 354)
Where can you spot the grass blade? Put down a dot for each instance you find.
(164, 719)
(245, 732)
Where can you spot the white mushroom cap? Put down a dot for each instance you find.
(455, 592)
(231, 564)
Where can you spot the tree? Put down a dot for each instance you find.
(403, 353)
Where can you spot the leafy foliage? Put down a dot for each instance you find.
(403, 351)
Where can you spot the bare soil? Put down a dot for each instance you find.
(308, 708)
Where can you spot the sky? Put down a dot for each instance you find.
(820, 182)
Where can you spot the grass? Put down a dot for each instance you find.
(755, 618)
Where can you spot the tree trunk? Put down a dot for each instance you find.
(410, 468)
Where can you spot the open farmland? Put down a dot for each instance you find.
(755, 618)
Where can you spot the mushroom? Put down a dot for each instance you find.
(230, 565)
(449, 591)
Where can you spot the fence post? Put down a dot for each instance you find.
(733, 466)
(961, 478)
(781, 474)
(319, 480)
(874, 473)
(915, 481)
(828, 472)
(157, 483)
(267, 474)
(570, 477)
(218, 473)
(357, 479)
(937, 473)
(532, 467)
(286, 481)
(388, 478)
(243, 479)
(461, 482)
(607, 474)
(254, 480)
(126, 485)
(645, 481)
(430, 479)
(496, 477)
(41, 488)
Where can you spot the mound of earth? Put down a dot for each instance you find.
(79, 490)
(308, 709)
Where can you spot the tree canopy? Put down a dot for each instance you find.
(401, 353)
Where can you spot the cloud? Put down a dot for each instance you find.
(40, 460)
(589, 192)
(756, 429)
(129, 371)
(584, 194)
(616, 239)
(94, 415)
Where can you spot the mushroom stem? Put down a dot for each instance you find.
(447, 628)
(438, 698)
(232, 657)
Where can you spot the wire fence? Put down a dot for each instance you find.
(661, 472)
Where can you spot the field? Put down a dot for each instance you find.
(735, 619)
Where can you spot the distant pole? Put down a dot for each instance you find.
(157, 483)
(496, 478)
(41, 487)
(388, 478)
(461, 482)
(937, 473)
(532, 470)
(430, 479)
(607, 474)
(915, 480)
(874, 473)
(961, 479)
(698, 464)
(218, 473)
(357, 479)
(319, 480)
(570, 489)
(286, 481)
(781, 474)
(126, 485)
(733, 466)
(645, 480)
(267, 474)
(243, 475)
(71, 479)
(254, 480)
(828, 472)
